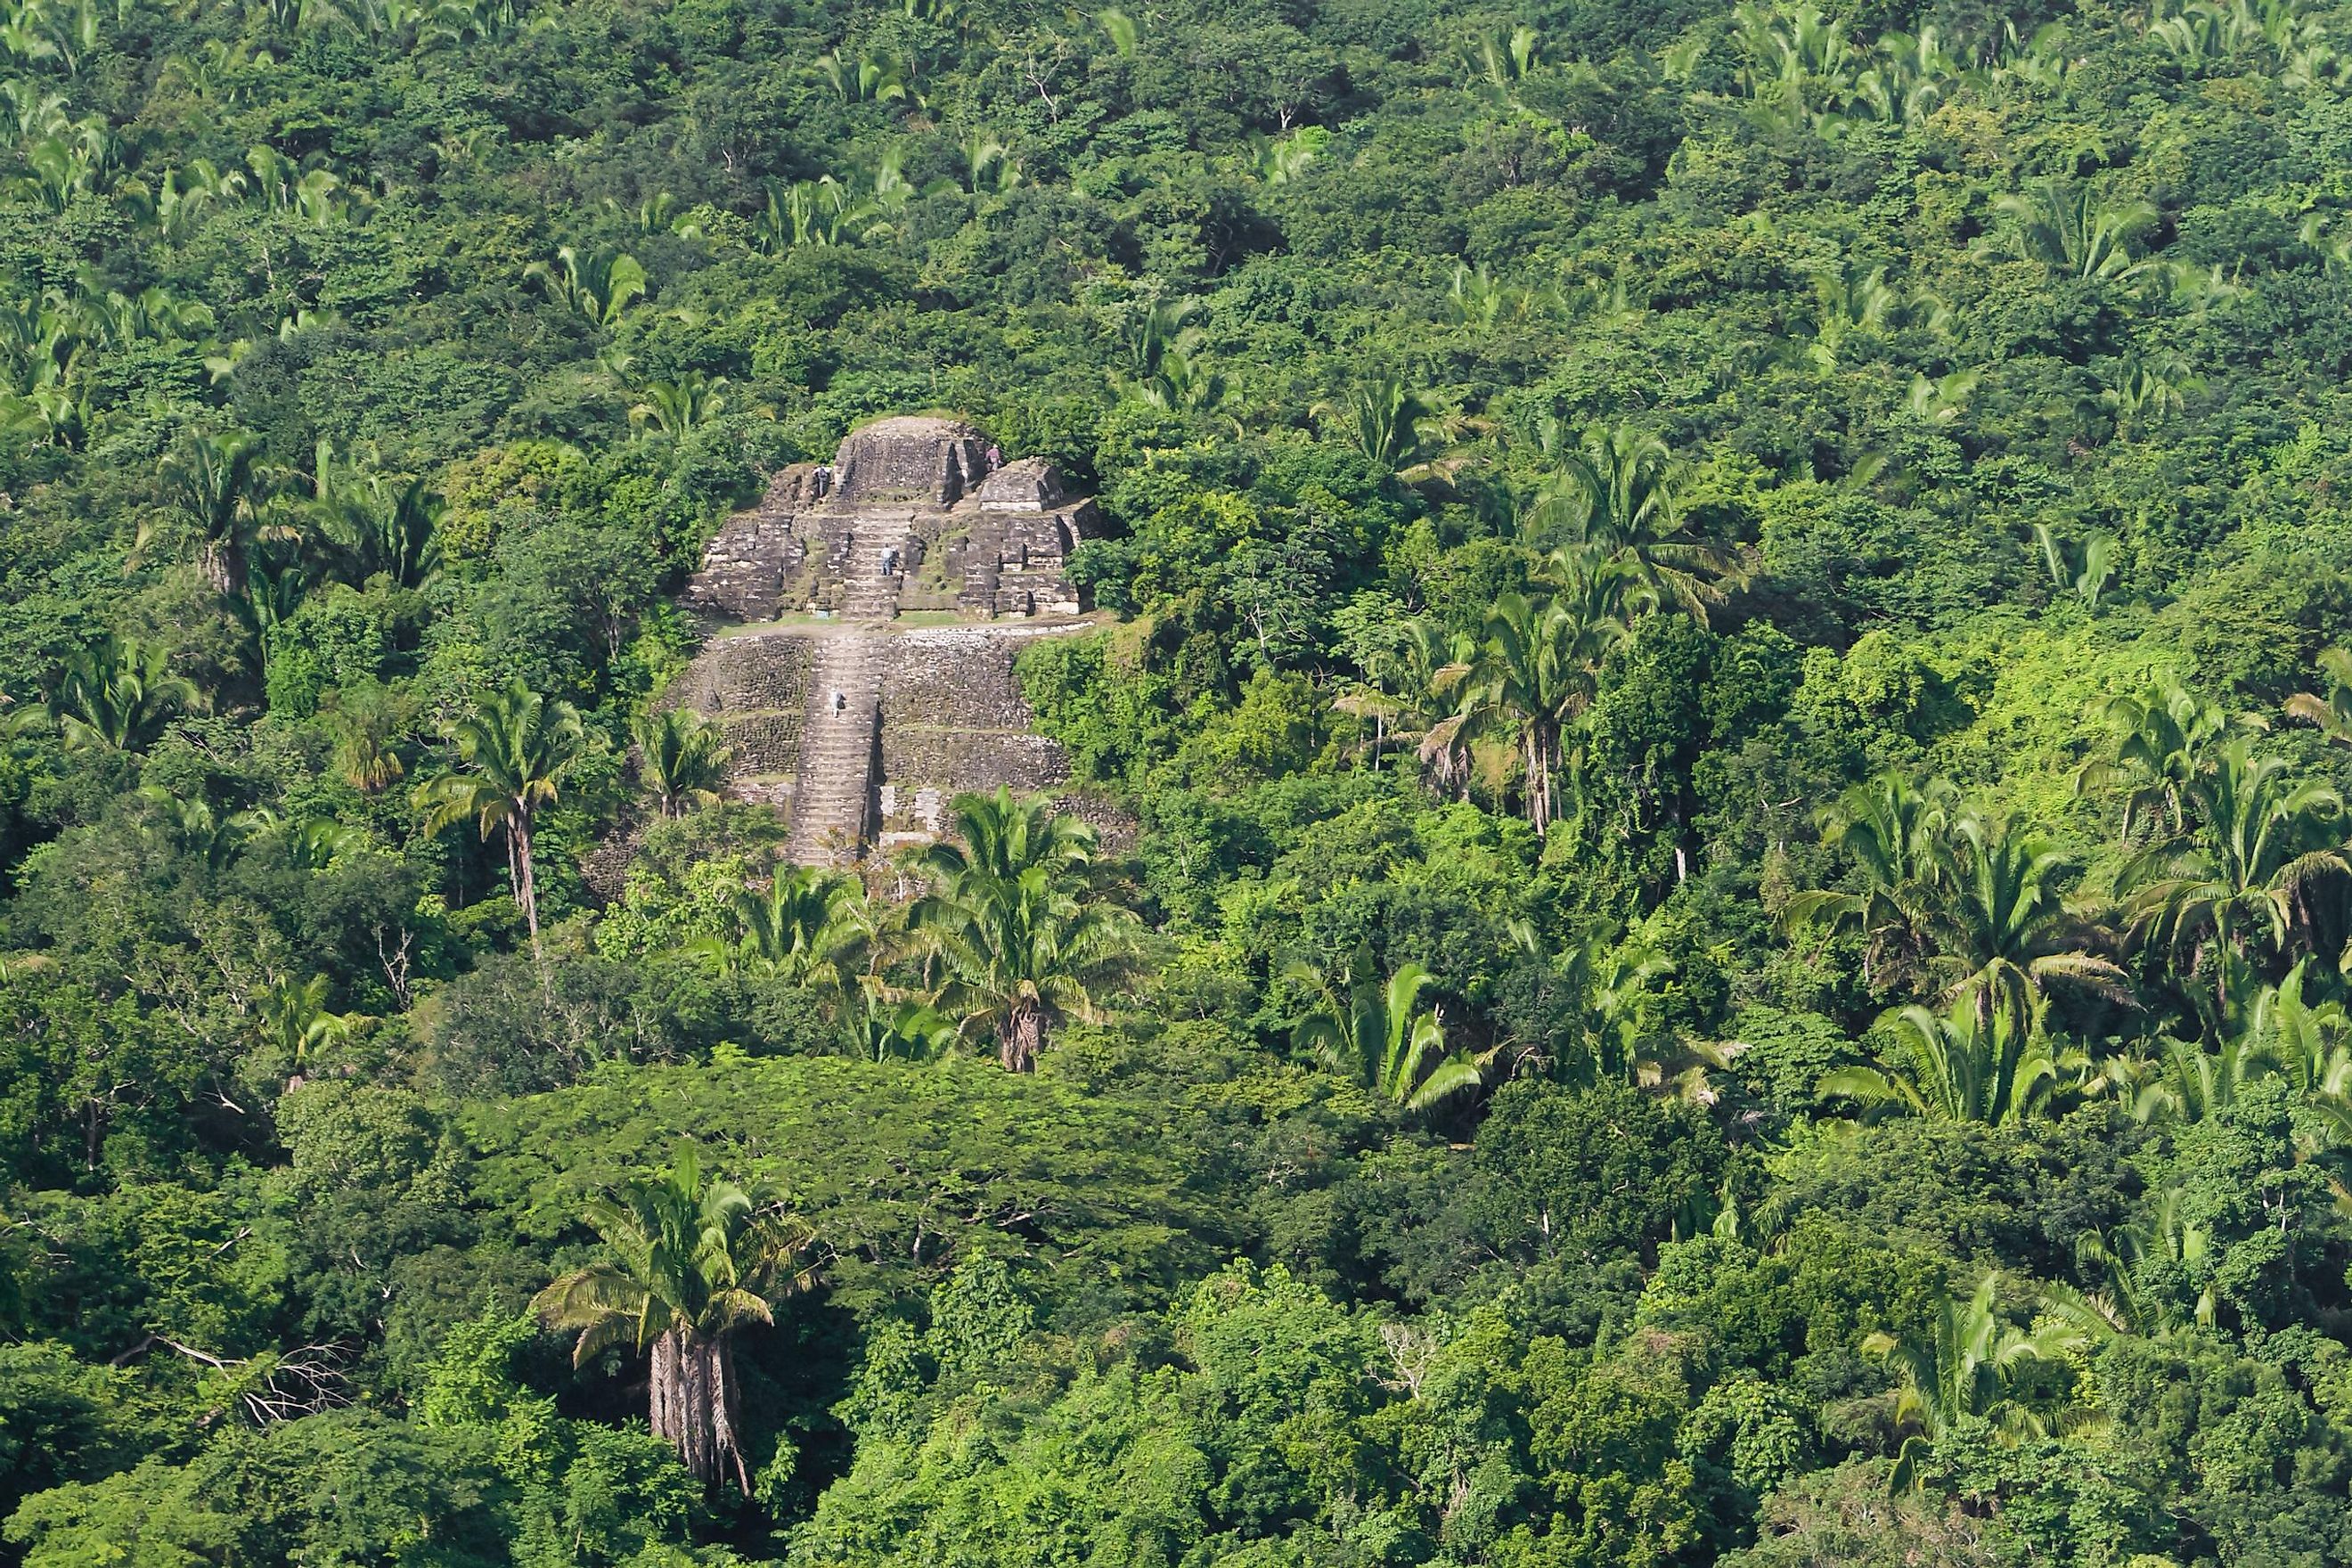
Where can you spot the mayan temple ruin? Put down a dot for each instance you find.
(884, 596)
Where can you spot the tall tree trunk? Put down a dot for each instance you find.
(222, 563)
(694, 1402)
(525, 882)
(1022, 1038)
(1539, 780)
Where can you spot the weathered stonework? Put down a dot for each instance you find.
(757, 691)
(906, 516)
(864, 729)
(942, 712)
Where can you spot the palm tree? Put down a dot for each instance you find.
(675, 407)
(1895, 832)
(1622, 1039)
(374, 525)
(513, 751)
(1001, 837)
(1535, 674)
(2070, 228)
(984, 152)
(599, 284)
(1151, 328)
(2165, 736)
(1614, 495)
(1375, 1032)
(2284, 1035)
(217, 486)
(690, 1261)
(2185, 1082)
(1401, 691)
(295, 1018)
(368, 720)
(1967, 1064)
(276, 584)
(808, 926)
(188, 825)
(2332, 713)
(2310, 1043)
(877, 1029)
(20, 721)
(1964, 1367)
(682, 758)
(117, 695)
(2002, 928)
(1383, 419)
(2149, 1263)
(2098, 570)
(1852, 300)
(2249, 866)
(1008, 932)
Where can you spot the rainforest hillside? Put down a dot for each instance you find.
(1721, 642)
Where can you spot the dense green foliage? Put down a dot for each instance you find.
(1719, 644)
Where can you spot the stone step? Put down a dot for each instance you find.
(832, 787)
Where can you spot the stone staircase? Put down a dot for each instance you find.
(874, 598)
(834, 786)
(868, 590)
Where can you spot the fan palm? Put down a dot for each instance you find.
(188, 825)
(2185, 1082)
(513, 752)
(1966, 1064)
(1011, 936)
(681, 757)
(692, 1260)
(675, 407)
(599, 284)
(1623, 1040)
(117, 695)
(1376, 1032)
(1614, 493)
(1963, 1366)
(1001, 836)
(368, 720)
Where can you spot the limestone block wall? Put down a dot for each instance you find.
(906, 499)
(959, 760)
(953, 718)
(955, 678)
(909, 460)
(756, 688)
(764, 743)
(745, 674)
